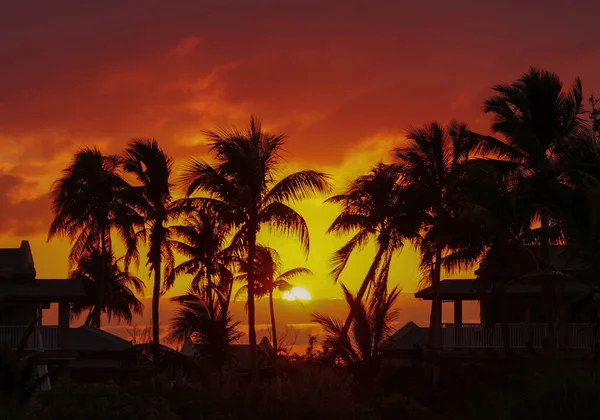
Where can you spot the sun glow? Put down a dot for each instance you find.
(299, 293)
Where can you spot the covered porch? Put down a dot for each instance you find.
(519, 308)
(21, 306)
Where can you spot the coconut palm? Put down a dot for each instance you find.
(541, 125)
(118, 300)
(209, 326)
(152, 168)
(374, 208)
(431, 164)
(267, 269)
(201, 240)
(90, 201)
(370, 329)
(241, 189)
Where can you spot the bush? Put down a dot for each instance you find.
(100, 402)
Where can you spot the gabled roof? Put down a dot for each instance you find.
(407, 337)
(91, 339)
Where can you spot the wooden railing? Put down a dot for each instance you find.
(41, 338)
(578, 336)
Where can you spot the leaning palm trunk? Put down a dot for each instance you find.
(435, 319)
(251, 309)
(155, 303)
(361, 292)
(273, 326)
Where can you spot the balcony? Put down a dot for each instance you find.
(578, 336)
(42, 338)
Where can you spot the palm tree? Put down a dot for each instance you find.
(431, 165)
(118, 300)
(374, 207)
(540, 124)
(370, 329)
(152, 168)
(267, 269)
(201, 240)
(89, 202)
(209, 326)
(241, 190)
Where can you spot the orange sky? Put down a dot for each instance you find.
(343, 79)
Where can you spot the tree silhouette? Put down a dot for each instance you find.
(152, 168)
(268, 278)
(241, 190)
(430, 166)
(375, 207)
(201, 240)
(209, 326)
(89, 202)
(118, 299)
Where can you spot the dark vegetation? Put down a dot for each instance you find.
(458, 196)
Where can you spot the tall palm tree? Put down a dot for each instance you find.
(370, 329)
(209, 326)
(241, 189)
(431, 164)
(89, 202)
(201, 240)
(540, 124)
(268, 278)
(152, 169)
(118, 300)
(374, 207)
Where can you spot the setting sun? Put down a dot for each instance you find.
(299, 293)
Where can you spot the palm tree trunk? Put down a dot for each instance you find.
(96, 317)
(361, 292)
(155, 303)
(435, 318)
(273, 326)
(550, 292)
(251, 310)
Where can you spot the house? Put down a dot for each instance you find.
(23, 297)
(523, 307)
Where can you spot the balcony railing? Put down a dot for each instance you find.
(578, 336)
(41, 338)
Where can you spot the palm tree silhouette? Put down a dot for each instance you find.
(118, 301)
(152, 168)
(201, 240)
(375, 207)
(370, 329)
(209, 326)
(540, 124)
(89, 201)
(431, 164)
(241, 190)
(268, 278)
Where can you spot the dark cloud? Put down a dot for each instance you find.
(19, 214)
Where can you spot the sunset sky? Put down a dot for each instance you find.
(343, 80)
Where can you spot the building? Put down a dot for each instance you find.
(23, 297)
(523, 307)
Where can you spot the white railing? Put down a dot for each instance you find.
(578, 336)
(41, 338)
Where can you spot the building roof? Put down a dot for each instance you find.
(42, 290)
(16, 263)
(407, 338)
(470, 289)
(91, 339)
